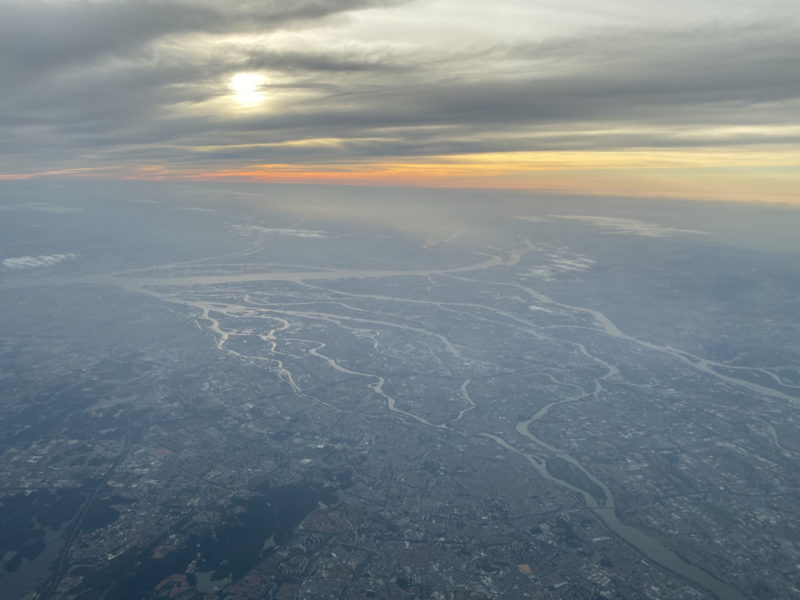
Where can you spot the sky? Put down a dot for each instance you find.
(691, 99)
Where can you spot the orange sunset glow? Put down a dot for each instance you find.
(400, 300)
(641, 101)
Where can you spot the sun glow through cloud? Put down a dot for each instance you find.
(246, 88)
(640, 99)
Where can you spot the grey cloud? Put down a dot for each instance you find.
(113, 99)
(757, 59)
(38, 37)
(322, 62)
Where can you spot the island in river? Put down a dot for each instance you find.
(243, 391)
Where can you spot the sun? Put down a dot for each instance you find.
(246, 88)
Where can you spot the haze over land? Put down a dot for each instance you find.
(271, 391)
(399, 299)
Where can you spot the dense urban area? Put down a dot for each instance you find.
(241, 402)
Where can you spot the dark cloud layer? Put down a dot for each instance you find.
(146, 82)
(39, 34)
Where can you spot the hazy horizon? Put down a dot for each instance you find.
(399, 299)
(690, 100)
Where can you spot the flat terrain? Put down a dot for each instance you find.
(215, 392)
